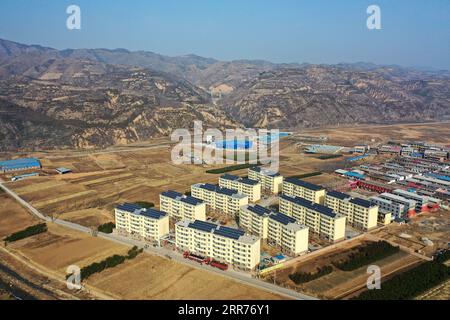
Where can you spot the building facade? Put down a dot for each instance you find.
(226, 200)
(275, 227)
(320, 219)
(294, 187)
(248, 187)
(179, 206)
(360, 213)
(270, 181)
(224, 244)
(148, 224)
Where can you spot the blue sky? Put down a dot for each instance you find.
(414, 32)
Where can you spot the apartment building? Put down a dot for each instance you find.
(271, 181)
(275, 227)
(180, 206)
(360, 213)
(248, 187)
(148, 224)
(422, 202)
(226, 200)
(409, 206)
(221, 243)
(396, 209)
(320, 219)
(294, 187)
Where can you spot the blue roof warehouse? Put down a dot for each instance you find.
(19, 164)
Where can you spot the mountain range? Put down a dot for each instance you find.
(86, 98)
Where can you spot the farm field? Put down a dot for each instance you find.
(13, 217)
(339, 284)
(152, 277)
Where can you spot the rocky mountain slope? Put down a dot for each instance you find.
(98, 97)
(314, 96)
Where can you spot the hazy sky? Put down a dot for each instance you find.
(414, 32)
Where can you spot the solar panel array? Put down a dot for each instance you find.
(339, 195)
(304, 184)
(310, 205)
(259, 210)
(216, 229)
(230, 177)
(282, 218)
(129, 207)
(152, 213)
(249, 181)
(229, 232)
(191, 200)
(172, 194)
(361, 202)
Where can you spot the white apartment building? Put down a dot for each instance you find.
(218, 198)
(275, 227)
(248, 187)
(180, 206)
(221, 243)
(271, 181)
(148, 224)
(320, 219)
(360, 213)
(294, 187)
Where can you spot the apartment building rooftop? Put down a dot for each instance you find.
(183, 198)
(286, 220)
(239, 179)
(138, 210)
(221, 190)
(304, 184)
(362, 202)
(339, 195)
(311, 205)
(226, 232)
(265, 171)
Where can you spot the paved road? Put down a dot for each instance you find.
(241, 277)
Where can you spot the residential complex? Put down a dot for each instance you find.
(298, 188)
(148, 224)
(320, 219)
(360, 213)
(248, 187)
(221, 243)
(180, 206)
(226, 200)
(271, 181)
(275, 227)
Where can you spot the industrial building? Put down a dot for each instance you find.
(19, 164)
(360, 213)
(320, 219)
(226, 200)
(149, 224)
(423, 203)
(221, 243)
(409, 206)
(248, 187)
(275, 227)
(180, 206)
(298, 188)
(271, 181)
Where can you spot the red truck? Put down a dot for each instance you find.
(216, 264)
(194, 257)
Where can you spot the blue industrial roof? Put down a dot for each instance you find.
(361, 202)
(19, 163)
(310, 205)
(337, 194)
(354, 175)
(304, 184)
